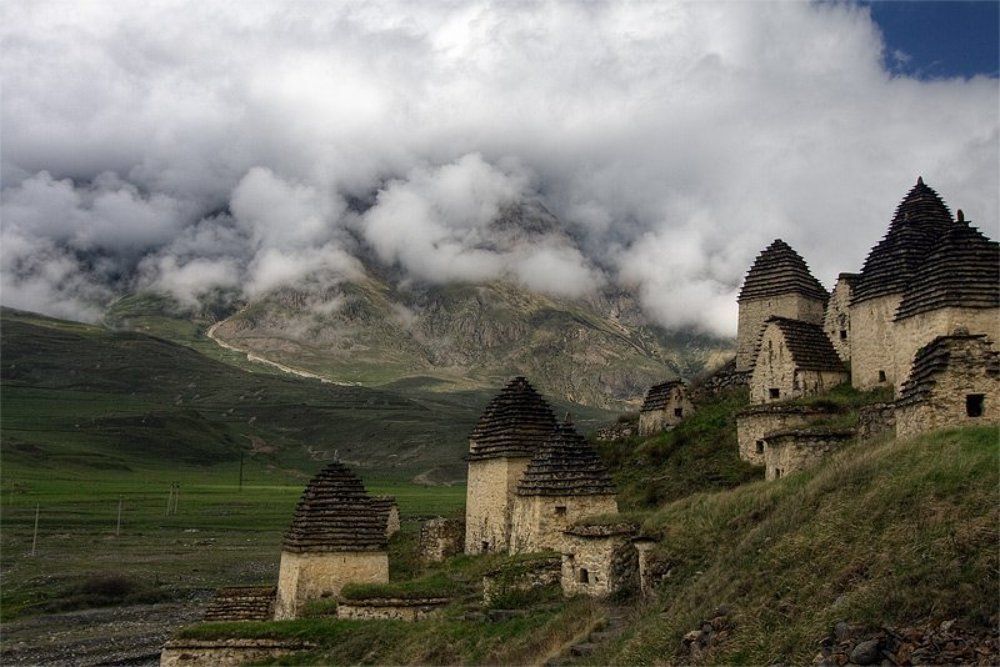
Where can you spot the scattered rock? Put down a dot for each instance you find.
(866, 652)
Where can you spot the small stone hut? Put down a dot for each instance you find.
(756, 422)
(242, 603)
(837, 319)
(666, 405)
(600, 560)
(957, 286)
(955, 381)
(514, 425)
(921, 220)
(336, 537)
(778, 284)
(789, 451)
(388, 510)
(794, 359)
(566, 481)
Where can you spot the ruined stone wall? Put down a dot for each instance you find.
(611, 564)
(309, 576)
(539, 522)
(876, 420)
(521, 577)
(226, 652)
(489, 503)
(651, 570)
(794, 451)
(872, 338)
(440, 539)
(654, 421)
(754, 313)
(242, 603)
(390, 609)
(837, 319)
(946, 406)
(775, 369)
(914, 332)
(754, 423)
(724, 379)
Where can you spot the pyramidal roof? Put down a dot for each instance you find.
(809, 345)
(515, 423)
(780, 270)
(565, 465)
(934, 358)
(335, 514)
(962, 271)
(920, 221)
(658, 395)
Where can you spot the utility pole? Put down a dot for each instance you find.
(34, 539)
(118, 526)
(241, 470)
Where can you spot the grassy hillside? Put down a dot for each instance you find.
(900, 533)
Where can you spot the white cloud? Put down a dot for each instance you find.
(679, 138)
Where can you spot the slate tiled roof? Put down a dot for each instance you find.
(933, 359)
(565, 465)
(659, 394)
(335, 514)
(962, 271)
(811, 349)
(780, 270)
(242, 603)
(515, 423)
(920, 221)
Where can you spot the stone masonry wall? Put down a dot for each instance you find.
(754, 313)
(756, 422)
(654, 421)
(837, 319)
(489, 503)
(503, 580)
(794, 451)
(226, 652)
(876, 420)
(946, 405)
(776, 369)
(611, 564)
(914, 332)
(440, 539)
(390, 609)
(872, 337)
(539, 523)
(309, 576)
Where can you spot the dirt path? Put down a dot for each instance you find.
(129, 635)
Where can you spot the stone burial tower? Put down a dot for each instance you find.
(566, 481)
(778, 284)
(337, 537)
(511, 429)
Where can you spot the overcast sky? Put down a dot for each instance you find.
(182, 146)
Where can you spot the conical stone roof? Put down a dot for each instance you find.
(514, 424)
(919, 223)
(566, 465)
(963, 271)
(335, 514)
(780, 270)
(658, 395)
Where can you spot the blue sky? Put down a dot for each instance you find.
(936, 39)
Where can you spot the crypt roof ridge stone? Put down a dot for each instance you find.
(920, 220)
(809, 345)
(335, 513)
(778, 270)
(566, 465)
(515, 423)
(658, 394)
(934, 358)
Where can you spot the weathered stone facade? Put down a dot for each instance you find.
(757, 421)
(242, 603)
(310, 576)
(794, 359)
(489, 503)
(666, 405)
(646, 565)
(521, 577)
(440, 539)
(599, 561)
(390, 609)
(955, 382)
(753, 315)
(837, 319)
(540, 521)
(723, 379)
(786, 452)
(876, 421)
(227, 652)
(388, 510)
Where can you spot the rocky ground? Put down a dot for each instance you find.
(126, 635)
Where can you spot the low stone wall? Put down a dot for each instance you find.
(724, 379)
(876, 420)
(393, 609)
(618, 430)
(226, 652)
(755, 422)
(651, 570)
(242, 603)
(790, 451)
(521, 576)
(440, 539)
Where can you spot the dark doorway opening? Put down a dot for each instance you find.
(974, 404)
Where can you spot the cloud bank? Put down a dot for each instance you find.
(189, 147)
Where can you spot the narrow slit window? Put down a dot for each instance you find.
(678, 412)
(774, 392)
(560, 510)
(881, 376)
(974, 404)
(843, 334)
(584, 576)
(760, 446)
(777, 473)
(486, 546)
